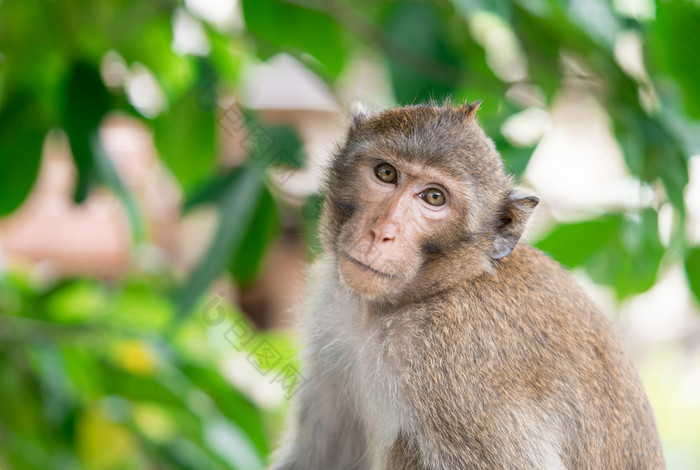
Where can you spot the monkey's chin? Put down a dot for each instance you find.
(366, 281)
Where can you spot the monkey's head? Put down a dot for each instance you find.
(417, 201)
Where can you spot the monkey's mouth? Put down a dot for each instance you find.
(368, 267)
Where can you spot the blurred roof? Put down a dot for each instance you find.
(284, 83)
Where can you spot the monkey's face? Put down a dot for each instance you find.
(400, 208)
(417, 200)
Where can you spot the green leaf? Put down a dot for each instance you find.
(86, 101)
(139, 306)
(621, 251)
(36, 66)
(185, 137)
(237, 206)
(276, 146)
(573, 244)
(210, 191)
(546, 31)
(145, 36)
(285, 150)
(22, 135)
(108, 174)
(56, 391)
(230, 444)
(676, 47)
(77, 302)
(630, 261)
(541, 40)
(514, 158)
(692, 269)
(297, 29)
(263, 228)
(227, 54)
(310, 216)
(232, 404)
(651, 152)
(422, 63)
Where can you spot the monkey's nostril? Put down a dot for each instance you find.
(385, 232)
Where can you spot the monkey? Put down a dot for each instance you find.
(434, 338)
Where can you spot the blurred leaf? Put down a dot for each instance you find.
(227, 54)
(77, 302)
(617, 250)
(22, 135)
(692, 269)
(264, 226)
(185, 137)
(56, 390)
(233, 405)
(232, 445)
(3, 78)
(111, 178)
(546, 31)
(651, 152)
(514, 158)
(188, 453)
(211, 191)
(467, 8)
(421, 62)
(541, 37)
(597, 19)
(573, 244)
(86, 101)
(95, 430)
(135, 356)
(285, 150)
(631, 261)
(18, 389)
(159, 389)
(145, 36)
(154, 421)
(676, 46)
(139, 306)
(297, 29)
(35, 66)
(237, 205)
(83, 369)
(310, 215)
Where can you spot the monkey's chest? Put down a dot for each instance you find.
(376, 388)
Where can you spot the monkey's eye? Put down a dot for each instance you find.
(386, 173)
(433, 196)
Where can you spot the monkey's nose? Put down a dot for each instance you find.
(384, 232)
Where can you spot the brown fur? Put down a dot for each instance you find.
(469, 352)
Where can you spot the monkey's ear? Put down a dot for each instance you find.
(469, 109)
(359, 114)
(511, 221)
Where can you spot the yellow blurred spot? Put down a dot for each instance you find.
(153, 422)
(104, 444)
(135, 356)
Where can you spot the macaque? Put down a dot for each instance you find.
(433, 339)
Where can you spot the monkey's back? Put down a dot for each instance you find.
(537, 359)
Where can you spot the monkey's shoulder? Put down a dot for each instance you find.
(529, 281)
(528, 304)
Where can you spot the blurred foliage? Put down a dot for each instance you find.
(85, 364)
(104, 376)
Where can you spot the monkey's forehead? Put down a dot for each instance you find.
(422, 118)
(462, 156)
